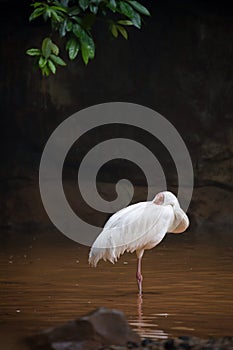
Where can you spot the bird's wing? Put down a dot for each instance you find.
(139, 226)
(127, 215)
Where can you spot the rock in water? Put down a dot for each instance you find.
(111, 325)
(100, 328)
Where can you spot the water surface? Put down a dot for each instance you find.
(45, 280)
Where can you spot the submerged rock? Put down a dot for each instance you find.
(101, 328)
(111, 325)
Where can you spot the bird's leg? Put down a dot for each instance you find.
(138, 273)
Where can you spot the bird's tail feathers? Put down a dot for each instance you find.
(102, 249)
(96, 254)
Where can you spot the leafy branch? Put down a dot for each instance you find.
(74, 21)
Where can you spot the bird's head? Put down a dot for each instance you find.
(165, 198)
(159, 198)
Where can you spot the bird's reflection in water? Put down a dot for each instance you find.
(140, 314)
(145, 328)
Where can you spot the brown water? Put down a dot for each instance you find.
(188, 286)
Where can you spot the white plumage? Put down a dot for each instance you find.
(139, 227)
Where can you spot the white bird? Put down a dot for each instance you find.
(139, 227)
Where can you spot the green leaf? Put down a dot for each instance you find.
(42, 61)
(114, 30)
(69, 25)
(136, 20)
(126, 9)
(90, 45)
(140, 8)
(122, 31)
(125, 22)
(46, 47)
(58, 9)
(78, 31)
(54, 48)
(77, 19)
(33, 52)
(87, 49)
(74, 11)
(87, 43)
(45, 71)
(52, 66)
(58, 60)
(37, 4)
(45, 16)
(94, 8)
(83, 4)
(55, 16)
(112, 5)
(36, 13)
(47, 13)
(85, 54)
(72, 47)
(62, 28)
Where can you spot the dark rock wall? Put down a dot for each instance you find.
(179, 64)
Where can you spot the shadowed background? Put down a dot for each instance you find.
(179, 64)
